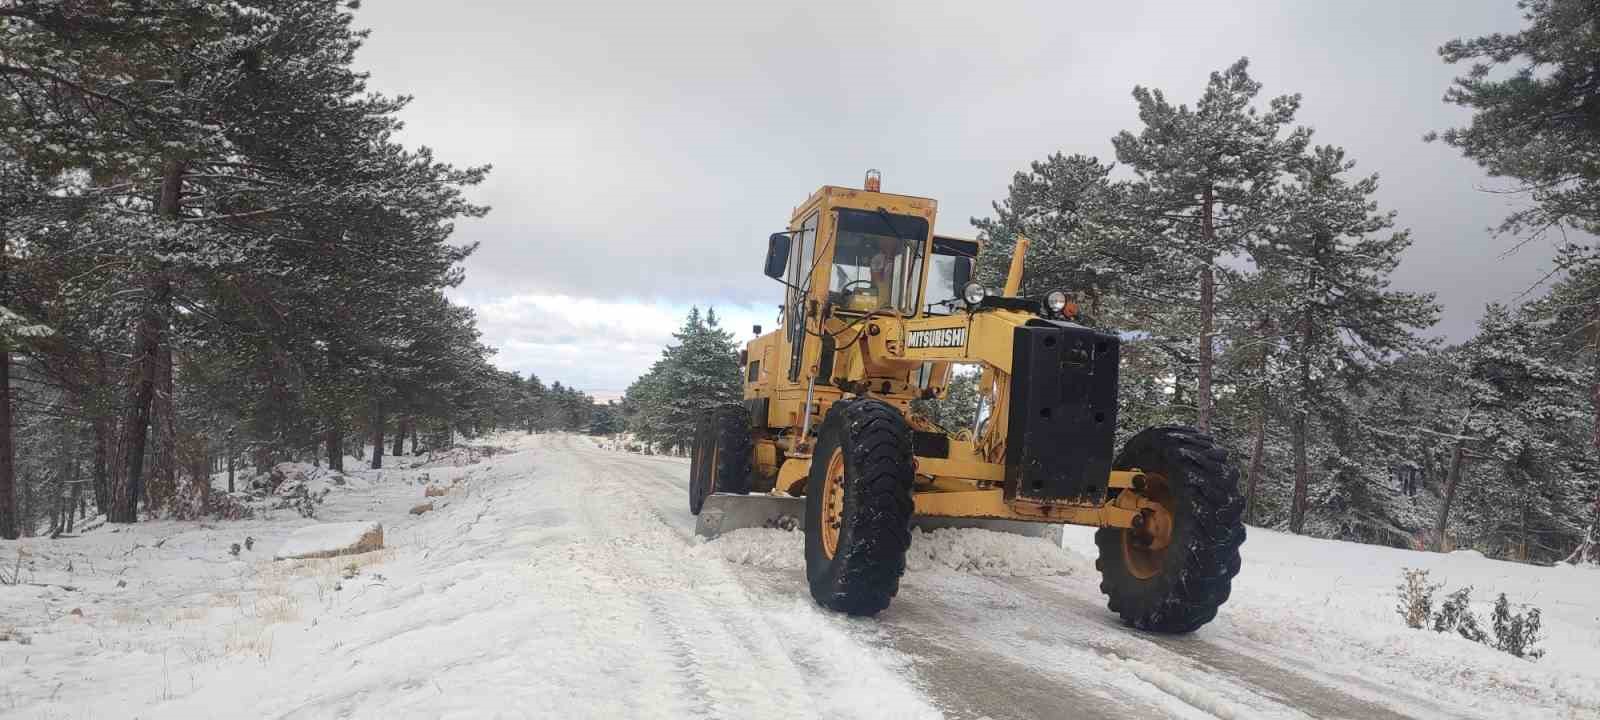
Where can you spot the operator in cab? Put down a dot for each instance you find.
(882, 265)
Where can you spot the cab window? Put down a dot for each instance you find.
(877, 261)
(944, 292)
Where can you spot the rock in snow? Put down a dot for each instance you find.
(332, 540)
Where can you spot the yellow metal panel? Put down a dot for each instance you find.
(792, 475)
(766, 457)
(992, 504)
(964, 469)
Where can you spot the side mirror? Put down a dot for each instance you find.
(962, 273)
(777, 255)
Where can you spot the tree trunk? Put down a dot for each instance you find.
(1297, 509)
(413, 427)
(230, 467)
(147, 354)
(102, 437)
(1208, 293)
(8, 490)
(1457, 457)
(1302, 411)
(26, 513)
(8, 469)
(334, 438)
(57, 522)
(1594, 385)
(400, 436)
(377, 435)
(197, 457)
(75, 504)
(164, 420)
(136, 425)
(1430, 468)
(1258, 436)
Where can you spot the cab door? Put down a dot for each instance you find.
(801, 266)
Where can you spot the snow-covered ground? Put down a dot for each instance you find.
(564, 580)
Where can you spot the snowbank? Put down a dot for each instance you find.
(985, 552)
(964, 550)
(332, 540)
(1335, 601)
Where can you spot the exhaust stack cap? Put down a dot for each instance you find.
(874, 181)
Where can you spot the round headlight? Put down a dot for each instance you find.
(973, 293)
(1056, 301)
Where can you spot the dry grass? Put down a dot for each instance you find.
(275, 603)
(319, 567)
(192, 613)
(126, 615)
(11, 634)
(277, 608)
(248, 639)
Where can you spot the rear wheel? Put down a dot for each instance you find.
(858, 507)
(719, 459)
(1175, 584)
(699, 462)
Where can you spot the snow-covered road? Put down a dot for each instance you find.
(563, 580)
(1030, 647)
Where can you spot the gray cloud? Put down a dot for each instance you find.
(644, 150)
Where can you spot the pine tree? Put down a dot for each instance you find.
(533, 403)
(1334, 248)
(1517, 405)
(957, 409)
(697, 373)
(1537, 125)
(1570, 314)
(1079, 239)
(1205, 181)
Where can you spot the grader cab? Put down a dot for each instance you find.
(878, 312)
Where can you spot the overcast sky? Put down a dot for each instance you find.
(644, 150)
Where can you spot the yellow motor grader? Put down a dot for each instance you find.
(878, 312)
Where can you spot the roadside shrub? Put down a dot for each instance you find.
(1416, 598)
(1456, 615)
(1515, 633)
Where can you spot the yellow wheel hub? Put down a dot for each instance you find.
(833, 504)
(1144, 546)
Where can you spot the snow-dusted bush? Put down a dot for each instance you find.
(1416, 598)
(1515, 633)
(1455, 615)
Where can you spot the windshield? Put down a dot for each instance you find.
(877, 260)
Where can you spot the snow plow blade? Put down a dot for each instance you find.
(725, 512)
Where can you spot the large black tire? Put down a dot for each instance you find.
(735, 447)
(1190, 578)
(874, 529)
(699, 463)
(719, 460)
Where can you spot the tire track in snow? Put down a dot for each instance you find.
(1289, 681)
(714, 645)
(964, 680)
(813, 659)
